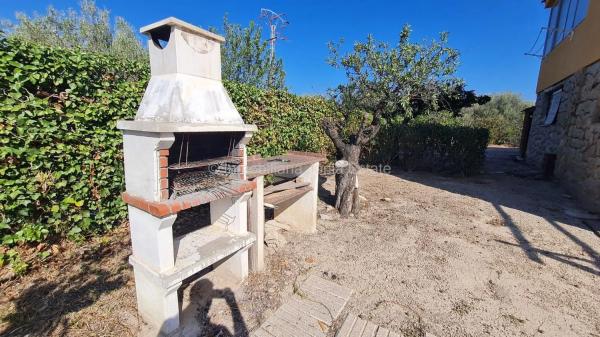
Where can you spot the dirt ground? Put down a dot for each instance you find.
(494, 255)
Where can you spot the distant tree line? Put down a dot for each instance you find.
(245, 52)
(246, 57)
(502, 116)
(90, 28)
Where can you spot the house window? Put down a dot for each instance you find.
(564, 17)
(555, 99)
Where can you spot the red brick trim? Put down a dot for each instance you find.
(161, 209)
(163, 162)
(164, 183)
(238, 152)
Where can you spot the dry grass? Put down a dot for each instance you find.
(82, 290)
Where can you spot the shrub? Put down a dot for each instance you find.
(285, 121)
(441, 117)
(502, 115)
(60, 151)
(62, 172)
(423, 145)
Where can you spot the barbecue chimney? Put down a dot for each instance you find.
(185, 149)
(185, 64)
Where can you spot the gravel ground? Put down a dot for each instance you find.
(490, 255)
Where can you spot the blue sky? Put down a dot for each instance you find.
(492, 36)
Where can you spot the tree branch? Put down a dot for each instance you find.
(332, 130)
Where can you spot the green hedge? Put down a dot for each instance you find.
(448, 148)
(61, 171)
(285, 121)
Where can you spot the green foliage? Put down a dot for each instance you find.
(285, 121)
(246, 57)
(441, 117)
(12, 258)
(90, 29)
(61, 171)
(459, 98)
(388, 83)
(28, 233)
(502, 115)
(431, 146)
(61, 166)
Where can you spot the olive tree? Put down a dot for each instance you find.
(383, 82)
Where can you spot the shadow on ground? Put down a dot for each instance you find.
(41, 309)
(324, 194)
(507, 184)
(195, 317)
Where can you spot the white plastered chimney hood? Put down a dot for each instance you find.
(185, 92)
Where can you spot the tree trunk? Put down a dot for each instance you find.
(346, 183)
(347, 198)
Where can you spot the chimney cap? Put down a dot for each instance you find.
(160, 26)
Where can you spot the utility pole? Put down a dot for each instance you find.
(276, 23)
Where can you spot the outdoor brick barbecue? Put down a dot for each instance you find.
(185, 148)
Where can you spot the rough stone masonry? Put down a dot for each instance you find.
(574, 137)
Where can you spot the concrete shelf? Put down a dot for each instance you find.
(289, 162)
(204, 247)
(200, 249)
(157, 126)
(285, 198)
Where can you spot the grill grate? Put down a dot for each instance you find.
(212, 181)
(191, 173)
(213, 162)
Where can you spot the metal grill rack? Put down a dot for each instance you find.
(213, 179)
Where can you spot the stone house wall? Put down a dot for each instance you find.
(575, 136)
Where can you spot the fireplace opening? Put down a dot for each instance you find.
(191, 219)
(203, 162)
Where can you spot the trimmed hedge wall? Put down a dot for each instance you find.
(448, 148)
(61, 167)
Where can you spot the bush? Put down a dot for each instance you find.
(423, 145)
(502, 115)
(285, 121)
(62, 171)
(62, 166)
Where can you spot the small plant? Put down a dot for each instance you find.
(27, 234)
(12, 258)
(44, 255)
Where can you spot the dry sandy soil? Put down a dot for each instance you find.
(491, 255)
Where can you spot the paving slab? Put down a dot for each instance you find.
(355, 326)
(330, 294)
(308, 313)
